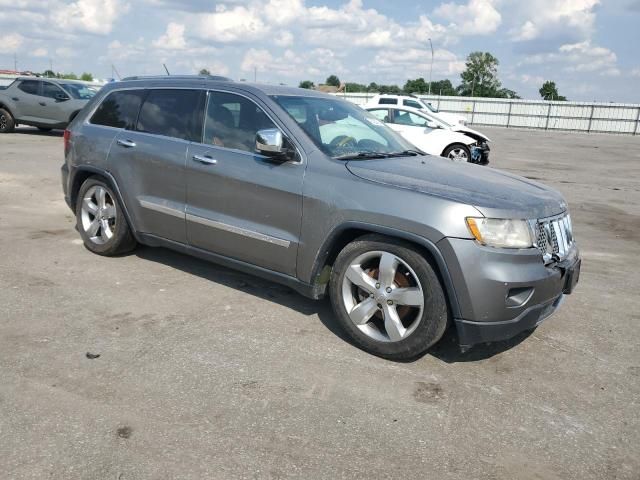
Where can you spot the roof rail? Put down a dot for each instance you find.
(179, 77)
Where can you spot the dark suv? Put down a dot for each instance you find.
(311, 191)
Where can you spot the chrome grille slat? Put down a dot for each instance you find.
(554, 236)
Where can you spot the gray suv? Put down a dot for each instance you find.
(45, 103)
(311, 191)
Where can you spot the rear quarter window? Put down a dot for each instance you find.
(388, 101)
(119, 109)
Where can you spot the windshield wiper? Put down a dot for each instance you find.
(406, 153)
(362, 156)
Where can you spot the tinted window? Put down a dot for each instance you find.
(388, 101)
(29, 86)
(172, 113)
(50, 90)
(119, 109)
(232, 121)
(79, 91)
(413, 103)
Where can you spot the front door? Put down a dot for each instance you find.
(51, 107)
(241, 204)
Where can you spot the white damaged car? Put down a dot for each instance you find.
(433, 136)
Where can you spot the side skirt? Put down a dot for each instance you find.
(303, 288)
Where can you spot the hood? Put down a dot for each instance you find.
(477, 136)
(494, 193)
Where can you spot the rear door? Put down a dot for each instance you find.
(26, 95)
(148, 161)
(241, 204)
(413, 127)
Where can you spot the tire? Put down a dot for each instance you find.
(413, 290)
(7, 123)
(101, 223)
(44, 129)
(456, 151)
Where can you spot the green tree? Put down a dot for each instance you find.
(480, 77)
(333, 81)
(87, 77)
(393, 89)
(416, 86)
(549, 91)
(308, 84)
(49, 74)
(69, 76)
(373, 87)
(355, 87)
(506, 93)
(204, 71)
(443, 87)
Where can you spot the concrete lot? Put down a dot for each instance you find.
(207, 373)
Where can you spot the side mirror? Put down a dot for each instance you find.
(61, 97)
(270, 142)
(431, 124)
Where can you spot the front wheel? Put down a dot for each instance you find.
(388, 298)
(7, 123)
(101, 221)
(457, 153)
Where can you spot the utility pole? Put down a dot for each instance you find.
(51, 65)
(431, 68)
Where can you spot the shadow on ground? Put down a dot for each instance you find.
(38, 133)
(446, 350)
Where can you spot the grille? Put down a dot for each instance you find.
(554, 237)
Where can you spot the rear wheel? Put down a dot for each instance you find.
(7, 123)
(457, 152)
(100, 219)
(388, 298)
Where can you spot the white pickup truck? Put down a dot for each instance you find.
(45, 103)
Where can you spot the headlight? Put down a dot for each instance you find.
(504, 233)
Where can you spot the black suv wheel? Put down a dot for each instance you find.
(7, 123)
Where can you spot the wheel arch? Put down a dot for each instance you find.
(81, 174)
(5, 107)
(346, 233)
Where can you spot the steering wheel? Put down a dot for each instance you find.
(344, 141)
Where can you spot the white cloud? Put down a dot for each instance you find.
(544, 18)
(92, 16)
(635, 72)
(238, 24)
(40, 52)
(291, 64)
(173, 39)
(477, 17)
(12, 41)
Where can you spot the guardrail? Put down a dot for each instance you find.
(596, 117)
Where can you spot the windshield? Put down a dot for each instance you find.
(78, 91)
(341, 129)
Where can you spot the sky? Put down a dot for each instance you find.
(588, 47)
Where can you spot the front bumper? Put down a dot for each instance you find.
(501, 293)
(480, 154)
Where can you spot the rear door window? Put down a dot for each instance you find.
(119, 109)
(388, 101)
(381, 114)
(31, 87)
(173, 113)
(412, 104)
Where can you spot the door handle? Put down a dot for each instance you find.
(205, 159)
(126, 143)
(43, 104)
(15, 99)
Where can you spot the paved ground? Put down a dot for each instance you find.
(207, 373)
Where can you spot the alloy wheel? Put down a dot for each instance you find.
(458, 155)
(3, 121)
(98, 215)
(383, 296)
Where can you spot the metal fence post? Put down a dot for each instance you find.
(473, 111)
(546, 125)
(509, 113)
(637, 130)
(590, 118)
